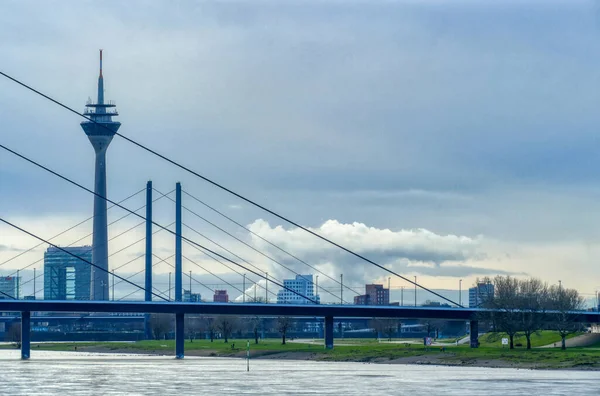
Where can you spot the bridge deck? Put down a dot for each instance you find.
(348, 311)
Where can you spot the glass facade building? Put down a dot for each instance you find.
(67, 277)
(303, 285)
(9, 287)
(479, 294)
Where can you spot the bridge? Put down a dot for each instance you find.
(328, 312)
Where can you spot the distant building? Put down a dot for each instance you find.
(67, 277)
(296, 289)
(188, 296)
(429, 303)
(480, 293)
(374, 295)
(9, 287)
(221, 296)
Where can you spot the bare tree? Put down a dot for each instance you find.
(160, 325)
(226, 324)
(434, 326)
(255, 325)
(193, 326)
(563, 302)
(14, 334)
(386, 326)
(283, 325)
(505, 301)
(210, 324)
(533, 300)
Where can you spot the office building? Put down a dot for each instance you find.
(374, 295)
(67, 277)
(303, 286)
(100, 131)
(10, 287)
(221, 296)
(480, 293)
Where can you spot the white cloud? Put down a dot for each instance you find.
(415, 245)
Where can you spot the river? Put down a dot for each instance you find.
(60, 373)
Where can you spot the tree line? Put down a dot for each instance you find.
(223, 326)
(524, 307)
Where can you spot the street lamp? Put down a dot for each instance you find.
(415, 290)
(341, 288)
(401, 296)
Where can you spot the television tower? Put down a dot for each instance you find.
(100, 131)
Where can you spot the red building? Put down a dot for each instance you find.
(221, 296)
(374, 295)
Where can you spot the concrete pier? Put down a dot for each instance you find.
(328, 332)
(179, 335)
(25, 335)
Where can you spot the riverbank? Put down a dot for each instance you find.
(366, 352)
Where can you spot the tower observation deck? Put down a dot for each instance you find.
(100, 132)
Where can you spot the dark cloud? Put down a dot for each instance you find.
(320, 110)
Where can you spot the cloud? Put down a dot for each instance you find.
(415, 245)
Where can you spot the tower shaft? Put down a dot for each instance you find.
(100, 131)
(99, 285)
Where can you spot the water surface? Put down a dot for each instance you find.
(60, 373)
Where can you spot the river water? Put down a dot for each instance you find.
(68, 373)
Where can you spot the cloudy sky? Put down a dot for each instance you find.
(445, 141)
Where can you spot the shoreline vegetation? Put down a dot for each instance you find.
(398, 351)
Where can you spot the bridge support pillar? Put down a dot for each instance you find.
(148, 267)
(328, 332)
(25, 334)
(179, 335)
(474, 333)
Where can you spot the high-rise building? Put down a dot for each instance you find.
(303, 286)
(67, 277)
(188, 296)
(221, 296)
(9, 287)
(100, 131)
(374, 295)
(480, 294)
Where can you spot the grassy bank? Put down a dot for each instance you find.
(363, 351)
(540, 339)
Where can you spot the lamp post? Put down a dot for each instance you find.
(401, 296)
(341, 288)
(460, 292)
(317, 287)
(415, 290)
(266, 287)
(244, 289)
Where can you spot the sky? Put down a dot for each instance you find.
(443, 140)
